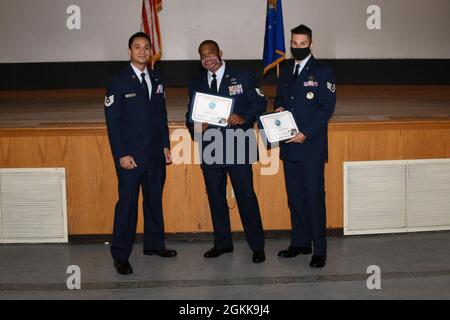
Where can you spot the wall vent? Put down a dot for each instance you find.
(33, 206)
(396, 196)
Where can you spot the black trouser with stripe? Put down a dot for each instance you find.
(306, 198)
(241, 177)
(151, 178)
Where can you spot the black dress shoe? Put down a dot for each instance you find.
(292, 252)
(123, 267)
(165, 253)
(259, 256)
(214, 252)
(318, 261)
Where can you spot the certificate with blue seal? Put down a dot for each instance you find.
(279, 126)
(211, 109)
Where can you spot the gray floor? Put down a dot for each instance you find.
(413, 266)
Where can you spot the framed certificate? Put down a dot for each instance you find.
(279, 126)
(211, 109)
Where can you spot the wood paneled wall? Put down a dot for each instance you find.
(92, 184)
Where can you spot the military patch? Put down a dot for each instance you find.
(109, 101)
(236, 89)
(331, 87)
(311, 83)
(160, 89)
(259, 92)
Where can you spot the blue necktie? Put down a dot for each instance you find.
(214, 83)
(296, 72)
(145, 87)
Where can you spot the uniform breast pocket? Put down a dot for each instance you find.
(238, 100)
(131, 105)
(157, 100)
(311, 95)
(283, 86)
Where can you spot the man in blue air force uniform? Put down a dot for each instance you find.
(307, 89)
(136, 118)
(234, 156)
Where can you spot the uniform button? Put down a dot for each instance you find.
(293, 98)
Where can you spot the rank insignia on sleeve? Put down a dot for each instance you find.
(259, 92)
(109, 101)
(331, 87)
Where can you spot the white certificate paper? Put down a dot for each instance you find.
(279, 126)
(211, 109)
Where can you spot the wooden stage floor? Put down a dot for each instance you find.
(84, 107)
(66, 129)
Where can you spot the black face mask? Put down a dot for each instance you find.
(300, 53)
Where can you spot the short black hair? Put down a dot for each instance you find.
(138, 35)
(211, 43)
(302, 29)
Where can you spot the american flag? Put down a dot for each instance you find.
(150, 25)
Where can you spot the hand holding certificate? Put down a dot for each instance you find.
(211, 109)
(279, 126)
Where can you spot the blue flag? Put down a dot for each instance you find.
(274, 46)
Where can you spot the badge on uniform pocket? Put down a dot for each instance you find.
(130, 95)
(310, 95)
